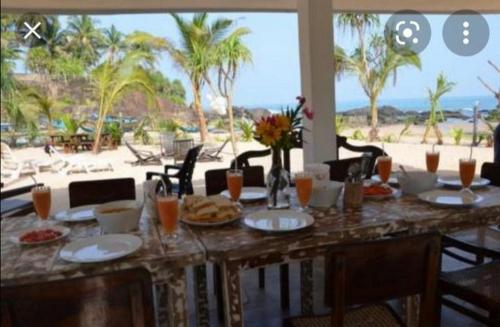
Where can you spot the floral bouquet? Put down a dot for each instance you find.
(281, 132)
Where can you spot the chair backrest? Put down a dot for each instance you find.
(6, 152)
(339, 168)
(215, 179)
(370, 272)
(185, 174)
(243, 159)
(101, 191)
(491, 171)
(121, 298)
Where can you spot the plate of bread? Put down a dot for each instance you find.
(211, 210)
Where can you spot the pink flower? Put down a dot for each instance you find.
(301, 99)
(308, 113)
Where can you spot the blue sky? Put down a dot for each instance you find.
(274, 75)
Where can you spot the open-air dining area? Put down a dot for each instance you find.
(127, 200)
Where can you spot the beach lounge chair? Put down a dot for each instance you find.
(212, 152)
(12, 168)
(143, 157)
(80, 163)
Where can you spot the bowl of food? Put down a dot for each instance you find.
(415, 182)
(119, 216)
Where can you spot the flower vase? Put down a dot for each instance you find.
(278, 181)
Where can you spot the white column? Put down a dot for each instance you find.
(317, 77)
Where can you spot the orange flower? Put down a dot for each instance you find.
(282, 123)
(270, 136)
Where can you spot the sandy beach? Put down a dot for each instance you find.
(409, 152)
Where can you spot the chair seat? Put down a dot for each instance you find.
(376, 315)
(478, 285)
(13, 205)
(481, 237)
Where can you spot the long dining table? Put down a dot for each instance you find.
(236, 247)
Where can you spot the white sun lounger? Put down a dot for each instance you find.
(79, 163)
(12, 168)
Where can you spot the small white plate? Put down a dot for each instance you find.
(393, 179)
(456, 183)
(278, 220)
(249, 194)
(77, 214)
(101, 248)
(449, 198)
(16, 238)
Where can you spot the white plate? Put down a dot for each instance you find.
(449, 198)
(16, 237)
(456, 183)
(278, 220)
(207, 224)
(101, 248)
(393, 179)
(76, 214)
(249, 194)
(381, 196)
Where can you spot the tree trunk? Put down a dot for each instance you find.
(229, 109)
(438, 133)
(202, 123)
(426, 132)
(98, 130)
(373, 135)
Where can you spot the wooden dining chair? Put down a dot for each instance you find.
(120, 299)
(101, 191)
(215, 179)
(366, 274)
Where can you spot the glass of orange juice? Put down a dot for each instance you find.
(41, 201)
(384, 167)
(168, 210)
(467, 170)
(432, 161)
(234, 180)
(303, 185)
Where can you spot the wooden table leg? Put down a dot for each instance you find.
(284, 287)
(306, 287)
(233, 307)
(177, 298)
(201, 299)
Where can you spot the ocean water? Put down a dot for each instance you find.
(463, 104)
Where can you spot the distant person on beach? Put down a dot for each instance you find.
(496, 144)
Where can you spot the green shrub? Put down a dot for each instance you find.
(457, 134)
(340, 124)
(168, 125)
(219, 124)
(358, 135)
(246, 127)
(115, 131)
(389, 138)
(406, 129)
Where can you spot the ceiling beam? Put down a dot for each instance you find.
(145, 6)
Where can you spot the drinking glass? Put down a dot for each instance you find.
(41, 201)
(467, 170)
(168, 210)
(384, 167)
(432, 161)
(303, 184)
(234, 180)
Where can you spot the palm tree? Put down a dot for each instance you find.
(110, 82)
(84, 38)
(443, 86)
(374, 66)
(113, 41)
(45, 104)
(195, 55)
(230, 54)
